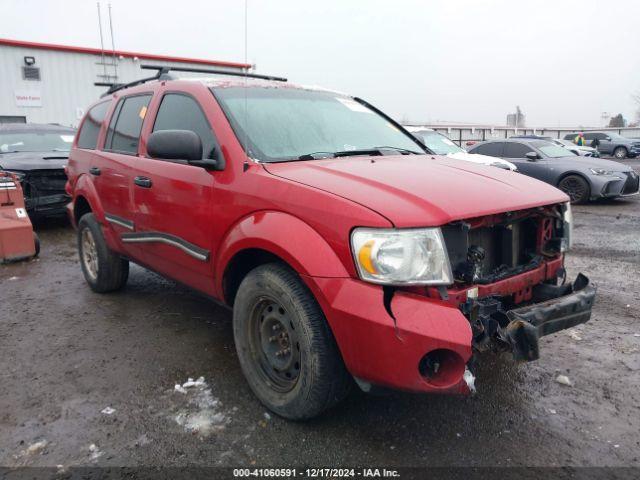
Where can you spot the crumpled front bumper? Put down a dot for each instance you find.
(519, 330)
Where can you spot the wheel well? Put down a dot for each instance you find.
(621, 146)
(575, 174)
(241, 264)
(80, 207)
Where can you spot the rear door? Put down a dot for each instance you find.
(115, 172)
(175, 201)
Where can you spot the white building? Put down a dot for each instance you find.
(46, 83)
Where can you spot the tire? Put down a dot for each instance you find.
(576, 187)
(620, 153)
(36, 242)
(287, 351)
(103, 269)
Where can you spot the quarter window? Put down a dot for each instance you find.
(88, 136)
(126, 123)
(181, 112)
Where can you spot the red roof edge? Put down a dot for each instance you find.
(97, 51)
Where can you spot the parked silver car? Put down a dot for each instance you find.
(611, 143)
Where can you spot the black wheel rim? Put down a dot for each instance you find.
(574, 188)
(274, 345)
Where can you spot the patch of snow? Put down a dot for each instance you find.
(203, 416)
(470, 380)
(95, 452)
(636, 334)
(108, 411)
(574, 335)
(552, 411)
(13, 278)
(564, 380)
(267, 416)
(36, 447)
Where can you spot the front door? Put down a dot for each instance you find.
(516, 152)
(175, 202)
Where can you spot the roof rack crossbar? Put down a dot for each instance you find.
(213, 71)
(163, 73)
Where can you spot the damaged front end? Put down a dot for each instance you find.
(44, 191)
(553, 308)
(507, 269)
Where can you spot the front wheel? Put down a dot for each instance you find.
(103, 269)
(620, 153)
(286, 349)
(576, 187)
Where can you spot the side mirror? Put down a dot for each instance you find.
(179, 145)
(532, 156)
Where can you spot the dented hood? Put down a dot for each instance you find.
(421, 190)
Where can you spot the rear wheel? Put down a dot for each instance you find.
(576, 187)
(103, 269)
(620, 153)
(286, 350)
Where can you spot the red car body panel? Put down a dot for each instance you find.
(415, 191)
(303, 213)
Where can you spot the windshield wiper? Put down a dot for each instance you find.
(353, 153)
(399, 149)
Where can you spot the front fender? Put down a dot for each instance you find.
(285, 236)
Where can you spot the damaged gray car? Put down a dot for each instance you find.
(37, 154)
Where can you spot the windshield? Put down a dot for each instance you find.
(283, 124)
(438, 143)
(552, 150)
(36, 141)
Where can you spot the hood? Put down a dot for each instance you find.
(579, 162)
(421, 190)
(482, 159)
(26, 161)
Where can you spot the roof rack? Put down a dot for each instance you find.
(163, 73)
(213, 72)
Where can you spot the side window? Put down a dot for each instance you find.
(570, 136)
(88, 135)
(181, 112)
(600, 136)
(590, 136)
(493, 149)
(124, 129)
(516, 150)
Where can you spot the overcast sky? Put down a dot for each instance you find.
(564, 62)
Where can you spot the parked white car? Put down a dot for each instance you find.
(581, 150)
(441, 145)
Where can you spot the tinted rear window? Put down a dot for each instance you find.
(493, 149)
(88, 136)
(124, 130)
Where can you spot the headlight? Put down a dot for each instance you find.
(401, 257)
(19, 175)
(600, 171)
(567, 227)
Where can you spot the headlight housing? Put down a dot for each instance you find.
(600, 171)
(401, 257)
(19, 175)
(567, 227)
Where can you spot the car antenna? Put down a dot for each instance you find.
(245, 165)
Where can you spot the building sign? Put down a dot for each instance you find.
(28, 98)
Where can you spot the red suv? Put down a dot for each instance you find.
(345, 248)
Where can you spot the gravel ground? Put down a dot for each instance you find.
(67, 354)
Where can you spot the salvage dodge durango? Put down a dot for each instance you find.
(349, 253)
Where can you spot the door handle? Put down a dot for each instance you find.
(143, 182)
(95, 171)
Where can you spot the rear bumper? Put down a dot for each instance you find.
(387, 340)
